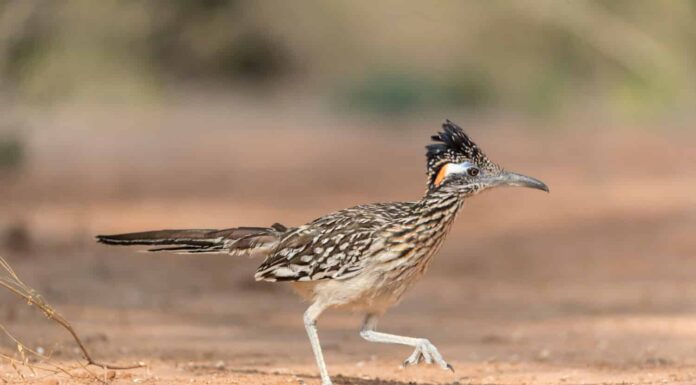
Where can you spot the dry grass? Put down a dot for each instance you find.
(28, 362)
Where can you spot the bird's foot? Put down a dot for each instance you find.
(427, 352)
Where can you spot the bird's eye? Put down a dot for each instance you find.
(473, 171)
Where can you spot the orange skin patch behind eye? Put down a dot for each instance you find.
(441, 174)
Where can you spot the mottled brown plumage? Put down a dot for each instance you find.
(363, 258)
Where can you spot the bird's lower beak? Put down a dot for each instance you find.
(513, 179)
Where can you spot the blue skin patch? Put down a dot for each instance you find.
(453, 168)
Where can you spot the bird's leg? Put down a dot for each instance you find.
(310, 322)
(425, 350)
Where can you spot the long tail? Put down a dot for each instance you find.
(236, 241)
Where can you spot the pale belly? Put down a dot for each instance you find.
(353, 295)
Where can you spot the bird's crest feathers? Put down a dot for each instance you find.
(452, 146)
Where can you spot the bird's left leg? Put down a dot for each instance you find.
(310, 321)
(425, 350)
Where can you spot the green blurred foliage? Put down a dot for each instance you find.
(212, 39)
(388, 93)
(540, 57)
(395, 93)
(12, 153)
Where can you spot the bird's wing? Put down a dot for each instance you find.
(331, 247)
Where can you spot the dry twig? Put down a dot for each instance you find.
(12, 282)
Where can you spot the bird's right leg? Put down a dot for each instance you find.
(425, 350)
(310, 322)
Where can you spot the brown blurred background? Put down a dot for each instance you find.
(123, 116)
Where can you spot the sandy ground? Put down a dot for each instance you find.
(591, 284)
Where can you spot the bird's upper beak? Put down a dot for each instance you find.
(507, 178)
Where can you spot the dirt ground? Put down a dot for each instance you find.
(591, 284)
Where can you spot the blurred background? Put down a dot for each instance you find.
(121, 116)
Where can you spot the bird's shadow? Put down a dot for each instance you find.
(343, 380)
(337, 379)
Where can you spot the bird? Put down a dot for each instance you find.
(361, 259)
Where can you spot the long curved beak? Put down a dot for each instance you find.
(508, 178)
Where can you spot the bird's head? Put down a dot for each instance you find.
(456, 162)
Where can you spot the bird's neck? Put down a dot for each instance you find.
(440, 205)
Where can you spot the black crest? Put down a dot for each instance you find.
(452, 146)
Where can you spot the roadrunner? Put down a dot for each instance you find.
(362, 258)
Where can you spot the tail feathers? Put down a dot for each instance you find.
(238, 240)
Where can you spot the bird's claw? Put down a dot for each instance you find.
(426, 352)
